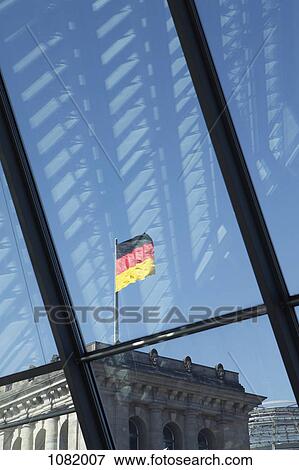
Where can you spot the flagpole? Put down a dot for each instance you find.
(116, 315)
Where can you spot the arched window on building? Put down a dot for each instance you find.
(40, 440)
(202, 441)
(17, 444)
(63, 435)
(206, 439)
(172, 437)
(137, 433)
(134, 435)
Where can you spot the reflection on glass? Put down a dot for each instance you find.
(118, 147)
(254, 44)
(25, 340)
(276, 427)
(206, 391)
(38, 414)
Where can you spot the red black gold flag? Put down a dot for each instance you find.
(134, 260)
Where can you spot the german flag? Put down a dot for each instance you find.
(134, 260)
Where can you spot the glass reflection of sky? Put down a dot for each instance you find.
(23, 343)
(118, 146)
(255, 48)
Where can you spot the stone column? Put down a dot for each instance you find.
(73, 432)
(51, 427)
(228, 437)
(191, 430)
(1, 440)
(11, 439)
(156, 428)
(81, 441)
(242, 434)
(7, 438)
(121, 425)
(27, 436)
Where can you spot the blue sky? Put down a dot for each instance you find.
(118, 146)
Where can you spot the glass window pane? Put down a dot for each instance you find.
(38, 414)
(254, 44)
(118, 147)
(25, 336)
(208, 390)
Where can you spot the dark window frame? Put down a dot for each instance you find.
(49, 276)
(239, 185)
(75, 360)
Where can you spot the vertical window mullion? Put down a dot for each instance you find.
(239, 185)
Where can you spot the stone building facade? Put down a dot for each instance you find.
(151, 402)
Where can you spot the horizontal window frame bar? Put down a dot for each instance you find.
(41, 417)
(177, 332)
(31, 373)
(294, 300)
